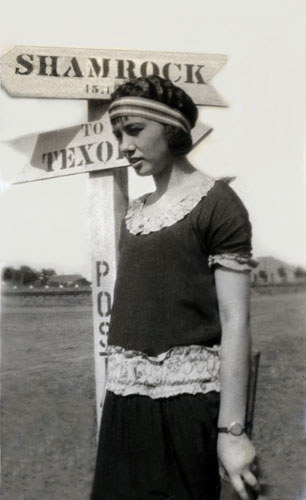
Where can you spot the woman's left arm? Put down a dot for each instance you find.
(236, 453)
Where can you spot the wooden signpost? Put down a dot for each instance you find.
(91, 148)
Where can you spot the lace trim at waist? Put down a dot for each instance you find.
(181, 370)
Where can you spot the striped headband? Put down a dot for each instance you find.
(147, 108)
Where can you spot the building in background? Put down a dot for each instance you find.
(271, 271)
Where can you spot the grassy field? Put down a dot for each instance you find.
(48, 407)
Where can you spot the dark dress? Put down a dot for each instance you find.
(158, 432)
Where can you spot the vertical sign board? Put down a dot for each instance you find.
(108, 197)
(93, 74)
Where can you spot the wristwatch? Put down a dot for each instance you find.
(236, 429)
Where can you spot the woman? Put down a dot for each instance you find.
(182, 289)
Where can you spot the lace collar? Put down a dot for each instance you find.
(138, 223)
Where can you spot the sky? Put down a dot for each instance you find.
(260, 137)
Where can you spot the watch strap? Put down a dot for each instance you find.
(235, 428)
(223, 429)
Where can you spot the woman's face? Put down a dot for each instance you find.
(143, 143)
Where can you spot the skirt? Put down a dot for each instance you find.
(158, 449)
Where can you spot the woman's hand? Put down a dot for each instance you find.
(236, 454)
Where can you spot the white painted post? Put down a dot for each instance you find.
(108, 198)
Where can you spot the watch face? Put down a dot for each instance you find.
(236, 429)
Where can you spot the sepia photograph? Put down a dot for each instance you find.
(153, 250)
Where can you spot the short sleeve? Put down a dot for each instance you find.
(226, 229)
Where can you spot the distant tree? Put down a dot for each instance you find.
(27, 275)
(263, 275)
(17, 276)
(8, 274)
(300, 272)
(45, 275)
(282, 273)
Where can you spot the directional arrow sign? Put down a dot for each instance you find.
(74, 150)
(73, 73)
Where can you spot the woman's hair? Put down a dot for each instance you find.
(158, 89)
